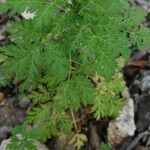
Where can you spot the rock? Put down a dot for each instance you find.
(4, 144)
(145, 81)
(138, 61)
(11, 116)
(4, 133)
(143, 113)
(58, 144)
(141, 101)
(2, 37)
(19, 101)
(2, 1)
(144, 3)
(23, 101)
(10, 102)
(3, 18)
(38, 144)
(123, 126)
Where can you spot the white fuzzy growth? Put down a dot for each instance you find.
(125, 121)
(28, 15)
(19, 136)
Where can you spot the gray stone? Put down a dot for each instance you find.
(38, 144)
(10, 116)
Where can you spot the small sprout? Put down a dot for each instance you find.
(78, 140)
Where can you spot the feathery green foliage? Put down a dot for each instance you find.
(105, 146)
(62, 48)
(107, 100)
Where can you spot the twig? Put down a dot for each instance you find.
(74, 120)
(137, 139)
(94, 137)
(72, 113)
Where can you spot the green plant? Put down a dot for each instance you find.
(58, 52)
(105, 146)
